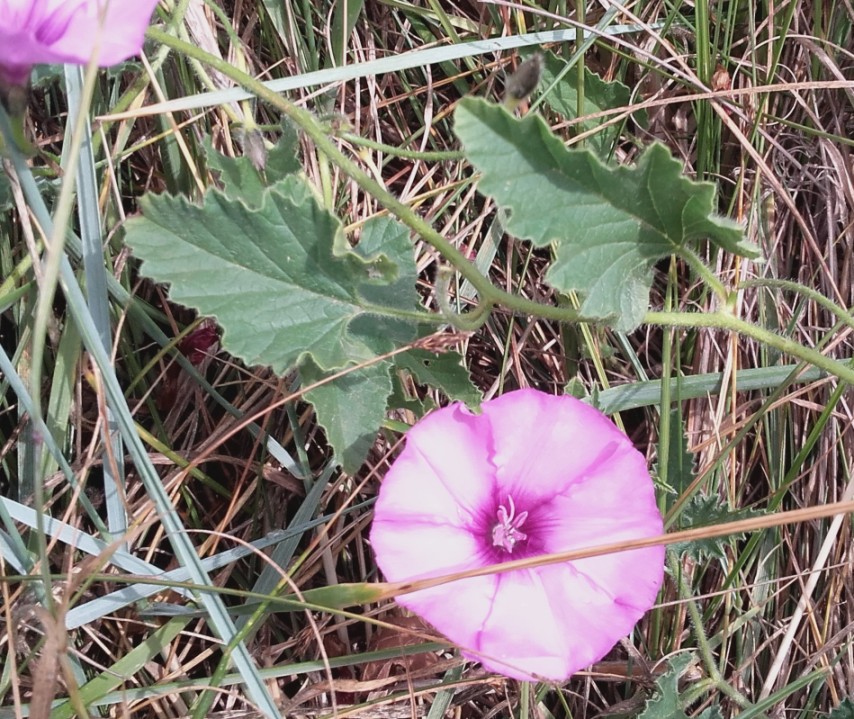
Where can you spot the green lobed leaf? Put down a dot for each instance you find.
(279, 278)
(239, 176)
(845, 710)
(444, 371)
(350, 409)
(599, 95)
(666, 703)
(608, 225)
(707, 511)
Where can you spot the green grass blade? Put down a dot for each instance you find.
(124, 669)
(96, 293)
(184, 550)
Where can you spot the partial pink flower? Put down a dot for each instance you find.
(36, 32)
(531, 474)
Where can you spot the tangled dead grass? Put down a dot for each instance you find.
(775, 606)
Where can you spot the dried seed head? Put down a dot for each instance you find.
(524, 81)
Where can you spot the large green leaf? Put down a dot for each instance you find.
(279, 278)
(384, 239)
(444, 371)
(608, 225)
(351, 408)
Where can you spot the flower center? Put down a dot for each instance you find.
(507, 531)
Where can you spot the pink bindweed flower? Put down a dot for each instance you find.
(531, 474)
(56, 31)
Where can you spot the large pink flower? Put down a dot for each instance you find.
(54, 31)
(531, 474)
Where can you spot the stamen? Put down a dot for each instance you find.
(506, 533)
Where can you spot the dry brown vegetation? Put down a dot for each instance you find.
(760, 100)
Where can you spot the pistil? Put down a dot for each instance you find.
(506, 533)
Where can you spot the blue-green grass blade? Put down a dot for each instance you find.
(391, 64)
(61, 396)
(102, 606)
(8, 370)
(270, 576)
(97, 297)
(645, 394)
(135, 694)
(184, 551)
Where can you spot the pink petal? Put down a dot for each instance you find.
(543, 442)
(443, 472)
(56, 31)
(523, 636)
(551, 622)
(548, 622)
(458, 609)
(427, 517)
(120, 37)
(614, 503)
(16, 53)
(632, 578)
(415, 548)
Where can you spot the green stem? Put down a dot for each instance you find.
(703, 646)
(472, 320)
(426, 156)
(524, 700)
(840, 313)
(664, 424)
(703, 272)
(727, 321)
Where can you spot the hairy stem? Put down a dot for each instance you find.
(703, 645)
